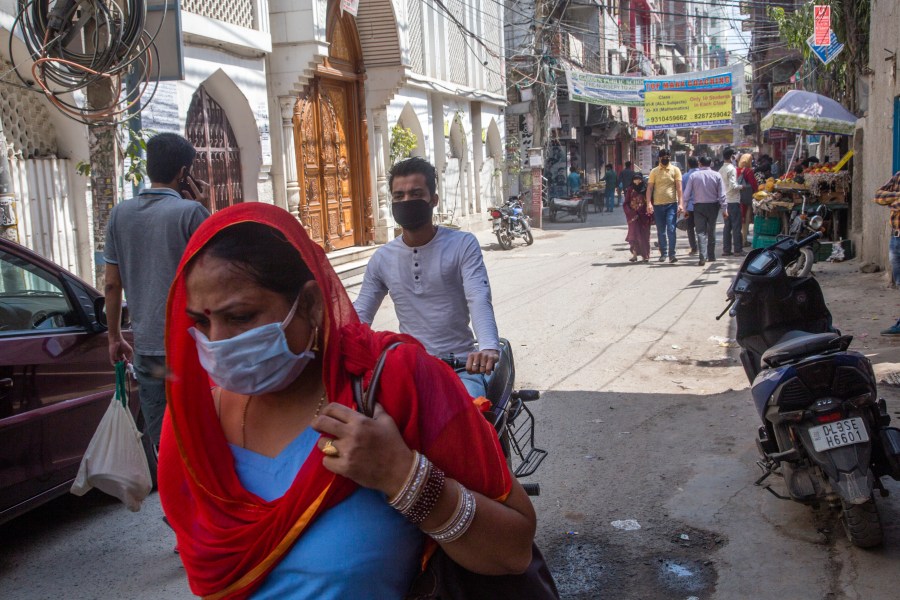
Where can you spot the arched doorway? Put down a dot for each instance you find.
(218, 159)
(329, 133)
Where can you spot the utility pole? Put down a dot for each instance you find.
(538, 114)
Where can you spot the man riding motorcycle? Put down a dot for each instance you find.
(436, 278)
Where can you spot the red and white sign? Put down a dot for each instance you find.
(352, 7)
(822, 25)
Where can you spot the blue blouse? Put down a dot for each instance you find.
(361, 548)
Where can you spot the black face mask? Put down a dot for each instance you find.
(412, 214)
(664, 162)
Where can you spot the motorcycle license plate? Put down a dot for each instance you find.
(840, 433)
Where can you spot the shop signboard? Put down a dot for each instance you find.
(645, 157)
(700, 102)
(822, 24)
(828, 52)
(716, 136)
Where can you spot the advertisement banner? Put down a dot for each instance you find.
(716, 136)
(697, 102)
(610, 90)
(822, 24)
(618, 90)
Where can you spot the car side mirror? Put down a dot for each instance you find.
(100, 311)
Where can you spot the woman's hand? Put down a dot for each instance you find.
(371, 451)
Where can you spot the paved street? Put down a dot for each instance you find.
(645, 417)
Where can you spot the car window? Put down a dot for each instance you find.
(31, 298)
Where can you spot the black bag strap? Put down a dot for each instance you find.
(365, 398)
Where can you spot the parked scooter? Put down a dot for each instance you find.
(510, 416)
(802, 224)
(824, 429)
(510, 222)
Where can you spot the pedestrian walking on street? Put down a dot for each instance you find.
(610, 179)
(637, 212)
(275, 484)
(707, 191)
(624, 181)
(889, 195)
(747, 179)
(664, 198)
(688, 209)
(145, 239)
(731, 236)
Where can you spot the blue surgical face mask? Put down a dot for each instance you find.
(258, 361)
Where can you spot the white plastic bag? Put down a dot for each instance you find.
(115, 462)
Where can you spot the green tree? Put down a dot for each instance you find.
(850, 22)
(403, 142)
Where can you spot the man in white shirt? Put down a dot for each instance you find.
(731, 236)
(436, 278)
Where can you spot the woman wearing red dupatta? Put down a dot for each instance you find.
(249, 273)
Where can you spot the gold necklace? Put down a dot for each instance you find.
(247, 407)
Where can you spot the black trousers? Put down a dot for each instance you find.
(692, 236)
(706, 217)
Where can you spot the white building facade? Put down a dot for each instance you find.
(340, 84)
(289, 102)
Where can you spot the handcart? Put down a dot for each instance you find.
(573, 205)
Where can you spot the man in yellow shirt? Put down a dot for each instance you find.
(663, 199)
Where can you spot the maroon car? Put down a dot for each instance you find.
(55, 378)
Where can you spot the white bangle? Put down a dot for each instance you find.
(461, 520)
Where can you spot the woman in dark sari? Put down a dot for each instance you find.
(639, 219)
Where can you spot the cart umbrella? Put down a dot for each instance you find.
(807, 112)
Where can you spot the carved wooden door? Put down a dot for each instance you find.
(323, 133)
(218, 160)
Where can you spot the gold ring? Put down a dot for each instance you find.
(330, 449)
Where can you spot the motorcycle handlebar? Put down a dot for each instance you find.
(454, 361)
(809, 239)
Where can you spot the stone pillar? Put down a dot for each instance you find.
(289, 154)
(537, 207)
(383, 230)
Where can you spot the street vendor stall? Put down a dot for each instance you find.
(783, 203)
(596, 191)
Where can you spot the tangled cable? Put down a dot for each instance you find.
(79, 43)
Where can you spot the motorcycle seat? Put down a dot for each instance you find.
(798, 344)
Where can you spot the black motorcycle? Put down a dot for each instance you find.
(509, 415)
(824, 429)
(510, 222)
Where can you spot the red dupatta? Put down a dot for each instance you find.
(228, 538)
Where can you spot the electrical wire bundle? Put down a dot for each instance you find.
(76, 44)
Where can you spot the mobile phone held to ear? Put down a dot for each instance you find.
(186, 189)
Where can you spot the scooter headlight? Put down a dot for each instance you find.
(816, 222)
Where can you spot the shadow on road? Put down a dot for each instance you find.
(632, 456)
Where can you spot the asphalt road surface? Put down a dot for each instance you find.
(646, 416)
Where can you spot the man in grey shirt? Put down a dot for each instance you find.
(706, 191)
(732, 235)
(436, 278)
(145, 239)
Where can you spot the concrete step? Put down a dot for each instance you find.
(351, 254)
(350, 263)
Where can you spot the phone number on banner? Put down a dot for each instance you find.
(702, 117)
(670, 124)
